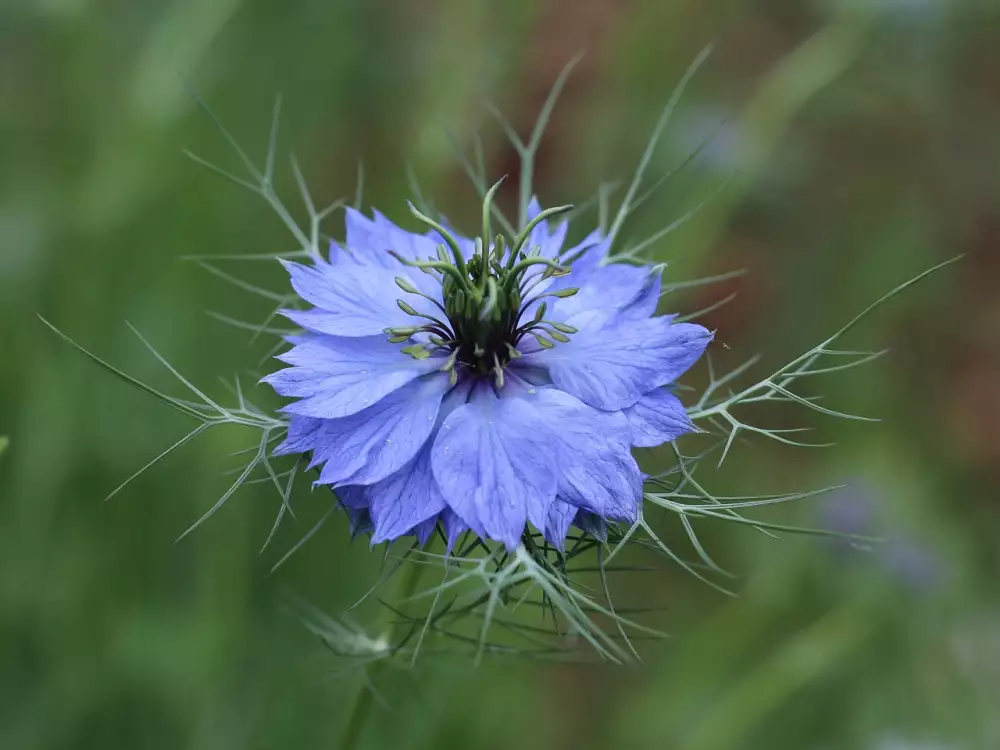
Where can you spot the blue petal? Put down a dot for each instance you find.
(336, 377)
(405, 500)
(408, 498)
(353, 498)
(613, 367)
(550, 244)
(365, 239)
(585, 257)
(373, 237)
(418, 247)
(592, 524)
(492, 461)
(407, 244)
(360, 520)
(596, 469)
(354, 502)
(454, 526)
(368, 446)
(658, 417)
(353, 298)
(609, 293)
(422, 531)
(561, 515)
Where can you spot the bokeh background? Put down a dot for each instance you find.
(861, 142)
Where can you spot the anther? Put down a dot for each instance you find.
(417, 351)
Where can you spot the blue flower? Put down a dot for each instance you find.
(438, 383)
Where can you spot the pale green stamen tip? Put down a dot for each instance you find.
(512, 352)
(406, 286)
(543, 342)
(417, 351)
(406, 308)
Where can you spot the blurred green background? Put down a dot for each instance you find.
(863, 143)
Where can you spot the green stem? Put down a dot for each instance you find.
(362, 704)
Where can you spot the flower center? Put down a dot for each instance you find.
(487, 298)
(484, 337)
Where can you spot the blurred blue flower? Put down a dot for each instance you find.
(907, 561)
(438, 383)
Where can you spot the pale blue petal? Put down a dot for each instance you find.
(354, 298)
(613, 367)
(585, 257)
(658, 417)
(423, 531)
(549, 243)
(592, 524)
(492, 461)
(371, 444)
(353, 501)
(596, 469)
(336, 377)
(453, 525)
(609, 293)
(405, 500)
(365, 239)
(561, 515)
(409, 497)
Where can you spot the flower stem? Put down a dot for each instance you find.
(362, 702)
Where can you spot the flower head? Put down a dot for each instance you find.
(481, 384)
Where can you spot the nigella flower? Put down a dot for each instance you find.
(482, 385)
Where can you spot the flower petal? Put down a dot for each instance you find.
(454, 526)
(596, 469)
(423, 530)
(550, 244)
(365, 239)
(613, 367)
(592, 524)
(336, 376)
(354, 503)
(658, 417)
(610, 292)
(404, 500)
(368, 446)
(492, 462)
(353, 298)
(560, 518)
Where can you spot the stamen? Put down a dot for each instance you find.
(417, 351)
(456, 251)
(407, 287)
(487, 212)
(542, 216)
(450, 362)
(410, 311)
(542, 341)
(491, 298)
(559, 294)
(483, 297)
(498, 369)
(499, 249)
(557, 270)
(443, 266)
